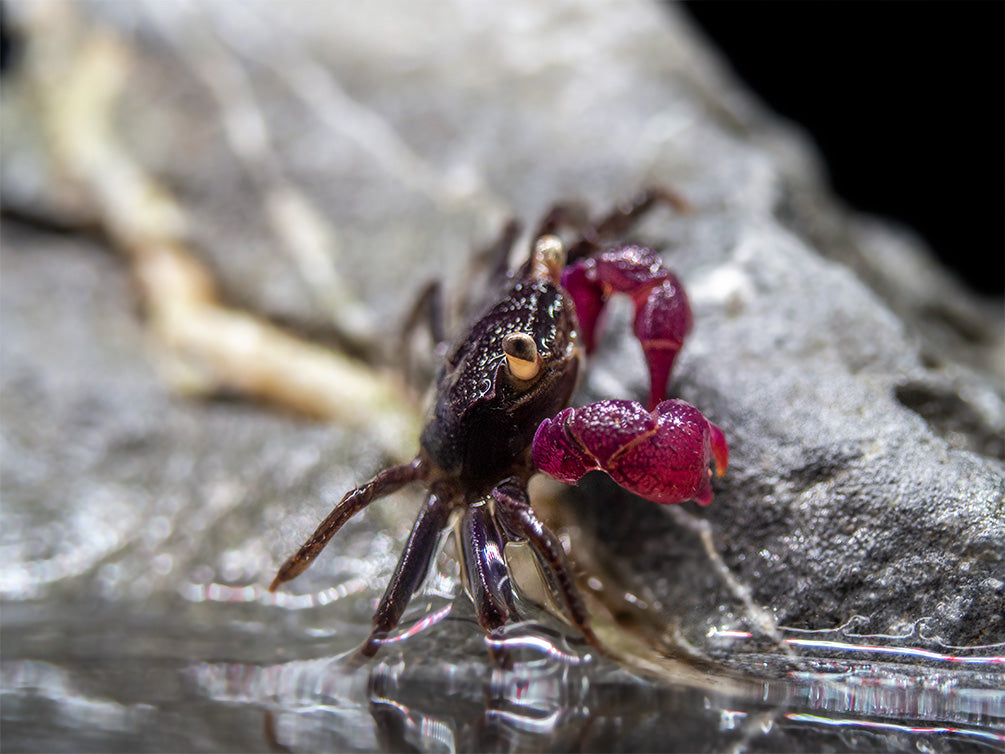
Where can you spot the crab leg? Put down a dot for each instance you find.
(497, 255)
(662, 455)
(427, 309)
(388, 481)
(616, 223)
(413, 565)
(514, 511)
(488, 578)
(623, 218)
(662, 313)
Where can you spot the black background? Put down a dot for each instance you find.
(906, 100)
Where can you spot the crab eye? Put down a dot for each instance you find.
(521, 355)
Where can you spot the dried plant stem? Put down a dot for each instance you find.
(76, 78)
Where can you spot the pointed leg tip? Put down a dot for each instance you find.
(287, 572)
(283, 575)
(370, 647)
(592, 639)
(673, 199)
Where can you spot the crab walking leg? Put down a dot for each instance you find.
(488, 578)
(426, 310)
(513, 509)
(497, 254)
(510, 530)
(413, 565)
(663, 316)
(623, 218)
(662, 455)
(386, 482)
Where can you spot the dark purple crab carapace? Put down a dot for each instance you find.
(500, 414)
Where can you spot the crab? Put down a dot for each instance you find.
(500, 414)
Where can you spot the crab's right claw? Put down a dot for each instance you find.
(662, 455)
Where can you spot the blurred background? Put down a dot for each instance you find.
(930, 73)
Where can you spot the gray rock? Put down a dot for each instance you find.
(855, 490)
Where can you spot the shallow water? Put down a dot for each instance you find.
(107, 680)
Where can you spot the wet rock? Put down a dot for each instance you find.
(863, 485)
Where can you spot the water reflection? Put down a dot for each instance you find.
(558, 696)
(31, 678)
(975, 735)
(417, 701)
(844, 641)
(906, 684)
(116, 684)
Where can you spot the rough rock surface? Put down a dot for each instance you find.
(848, 496)
(860, 388)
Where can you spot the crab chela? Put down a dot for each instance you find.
(500, 413)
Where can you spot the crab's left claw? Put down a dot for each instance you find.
(662, 455)
(663, 316)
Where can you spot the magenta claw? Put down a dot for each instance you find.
(589, 299)
(662, 313)
(662, 455)
(662, 321)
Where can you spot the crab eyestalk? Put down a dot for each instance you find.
(662, 455)
(548, 259)
(521, 356)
